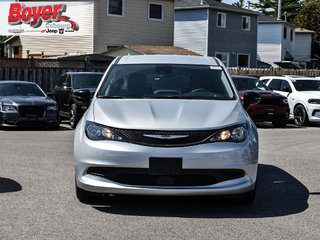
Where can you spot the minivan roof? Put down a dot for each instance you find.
(168, 59)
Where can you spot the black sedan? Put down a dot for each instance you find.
(25, 104)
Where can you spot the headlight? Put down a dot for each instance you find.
(236, 134)
(314, 101)
(8, 108)
(285, 101)
(99, 132)
(52, 108)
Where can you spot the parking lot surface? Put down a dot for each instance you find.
(37, 197)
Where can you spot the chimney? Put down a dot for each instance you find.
(279, 10)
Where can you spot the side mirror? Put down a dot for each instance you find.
(287, 89)
(50, 95)
(82, 95)
(250, 98)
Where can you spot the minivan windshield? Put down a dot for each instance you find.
(166, 81)
(20, 89)
(86, 80)
(307, 85)
(249, 84)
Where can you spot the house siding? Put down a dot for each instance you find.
(302, 47)
(134, 27)
(191, 30)
(269, 43)
(287, 45)
(233, 39)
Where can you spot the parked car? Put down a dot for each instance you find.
(72, 107)
(303, 95)
(273, 107)
(25, 104)
(166, 125)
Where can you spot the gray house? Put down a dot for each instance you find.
(212, 28)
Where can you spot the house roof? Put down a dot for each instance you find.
(11, 38)
(262, 18)
(162, 50)
(303, 30)
(213, 4)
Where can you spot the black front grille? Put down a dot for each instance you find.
(270, 101)
(31, 111)
(188, 177)
(139, 137)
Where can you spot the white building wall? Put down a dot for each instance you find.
(287, 44)
(302, 48)
(191, 30)
(269, 43)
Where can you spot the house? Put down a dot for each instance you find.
(212, 28)
(302, 46)
(145, 49)
(276, 40)
(90, 26)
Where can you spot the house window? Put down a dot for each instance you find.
(224, 57)
(246, 23)
(155, 11)
(115, 7)
(111, 47)
(221, 20)
(291, 35)
(285, 32)
(243, 60)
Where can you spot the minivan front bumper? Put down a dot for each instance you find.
(224, 156)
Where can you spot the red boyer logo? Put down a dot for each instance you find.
(19, 13)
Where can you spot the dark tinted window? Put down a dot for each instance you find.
(249, 84)
(307, 85)
(20, 89)
(115, 7)
(155, 11)
(285, 86)
(86, 80)
(167, 81)
(275, 84)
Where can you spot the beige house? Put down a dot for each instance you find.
(103, 25)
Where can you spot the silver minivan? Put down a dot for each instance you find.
(166, 125)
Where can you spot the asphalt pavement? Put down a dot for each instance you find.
(37, 197)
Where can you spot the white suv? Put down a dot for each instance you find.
(303, 95)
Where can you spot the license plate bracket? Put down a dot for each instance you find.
(165, 166)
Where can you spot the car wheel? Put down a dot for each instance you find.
(73, 116)
(300, 116)
(279, 124)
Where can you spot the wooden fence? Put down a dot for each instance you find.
(258, 72)
(45, 72)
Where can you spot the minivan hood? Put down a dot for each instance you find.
(165, 114)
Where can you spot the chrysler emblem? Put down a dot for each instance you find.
(166, 136)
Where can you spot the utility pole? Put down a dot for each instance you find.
(279, 10)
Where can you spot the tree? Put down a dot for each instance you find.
(270, 7)
(240, 3)
(309, 18)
